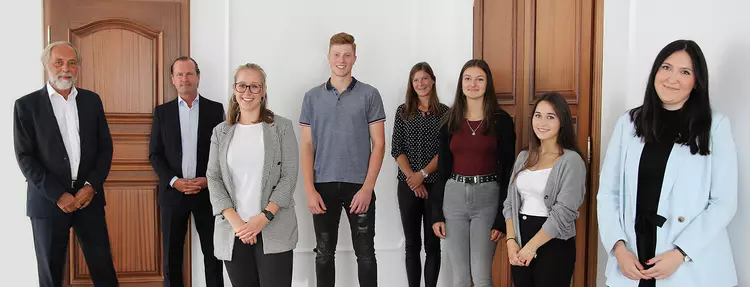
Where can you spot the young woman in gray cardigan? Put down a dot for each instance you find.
(252, 173)
(546, 189)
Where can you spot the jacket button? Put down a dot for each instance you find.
(546, 196)
(681, 219)
(278, 163)
(274, 187)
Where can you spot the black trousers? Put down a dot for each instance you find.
(554, 262)
(51, 238)
(174, 224)
(335, 196)
(415, 217)
(251, 268)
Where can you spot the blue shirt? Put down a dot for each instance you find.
(189, 136)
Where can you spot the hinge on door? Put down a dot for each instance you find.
(49, 34)
(588, 151)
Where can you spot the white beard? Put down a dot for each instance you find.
(63, 84)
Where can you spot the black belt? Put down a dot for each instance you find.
(474, 179)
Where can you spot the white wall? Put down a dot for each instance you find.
(634, 33)
(21, 25)
(289, 39)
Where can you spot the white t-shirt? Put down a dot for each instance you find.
(245, 160)
(531, 185)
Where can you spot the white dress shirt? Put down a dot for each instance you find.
(189, 135)
(66, 113)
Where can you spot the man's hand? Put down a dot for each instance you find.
(186, 186)
(67, 203)
(202, 182)
(84, 196)
(315, 203)
(361, 201)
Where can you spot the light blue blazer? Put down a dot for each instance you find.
(698, 199)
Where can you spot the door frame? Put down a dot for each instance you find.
(592, 237)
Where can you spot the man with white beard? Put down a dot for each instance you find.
(64, 149)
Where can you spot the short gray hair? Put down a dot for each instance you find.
(46, 54)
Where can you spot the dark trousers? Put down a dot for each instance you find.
(51, 237)
(174, 224)
(335, 196)
(554, 262)
(251, 268)
(415, 217)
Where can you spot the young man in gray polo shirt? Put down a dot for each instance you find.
(343, 142)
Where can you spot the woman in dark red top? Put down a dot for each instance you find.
(475, 159)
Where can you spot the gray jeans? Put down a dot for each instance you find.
(469, 211)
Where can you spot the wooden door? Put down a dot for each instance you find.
(126, 49)
(533, 47)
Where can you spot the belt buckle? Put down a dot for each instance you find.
(476, 179)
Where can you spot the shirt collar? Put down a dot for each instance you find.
(51, 92)
(330, 87)
(181, 102)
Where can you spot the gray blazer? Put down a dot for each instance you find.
(563, 195)
(278, 184)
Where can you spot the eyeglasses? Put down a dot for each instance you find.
(241, 88)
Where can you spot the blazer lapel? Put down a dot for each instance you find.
(176, 128)
(269, 153)
(632, 163)
(674, 165)
(83, 122)
(48, 116)
(224, 141)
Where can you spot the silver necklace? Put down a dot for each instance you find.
(474, 131)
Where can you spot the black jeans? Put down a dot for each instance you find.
(554, 262)
(415, 213)
(250, 267)
(336, 195)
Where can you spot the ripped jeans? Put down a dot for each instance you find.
(335, 196)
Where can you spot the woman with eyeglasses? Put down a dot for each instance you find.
(252, 173)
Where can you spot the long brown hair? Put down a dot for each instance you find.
(566, 136)
(457, 114)
(266, 115)
(412, 99)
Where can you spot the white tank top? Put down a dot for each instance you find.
(531, 185)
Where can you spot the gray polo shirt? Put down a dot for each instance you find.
(340, 124)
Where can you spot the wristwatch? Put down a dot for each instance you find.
(686, 258)
(424, 173)
(268, 214)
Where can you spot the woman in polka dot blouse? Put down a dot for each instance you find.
(415, 148)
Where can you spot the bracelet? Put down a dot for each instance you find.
(509, 238)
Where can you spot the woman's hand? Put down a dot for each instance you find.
(513, 249)
(628, 263)
(526, 254)
(252, 228)
(665, 264)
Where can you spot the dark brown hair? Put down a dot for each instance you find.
(566, 136)
(185, 58)
(457, 113)
(412, 99)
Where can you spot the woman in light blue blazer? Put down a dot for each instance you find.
(252, 174)
(668, 186)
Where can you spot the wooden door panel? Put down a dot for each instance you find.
(534, 47)
(126, 49)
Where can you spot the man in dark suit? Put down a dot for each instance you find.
(64, 150)
(178, 151)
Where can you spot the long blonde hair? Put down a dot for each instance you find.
(266, 115)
